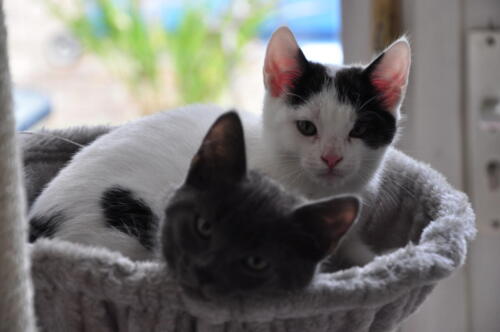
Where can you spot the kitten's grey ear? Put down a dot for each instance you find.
(221, 156)
(283, 62)
(328, 220)
(389, 73)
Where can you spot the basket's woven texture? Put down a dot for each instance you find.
(82, 289)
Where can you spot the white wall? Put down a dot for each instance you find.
(484, 263)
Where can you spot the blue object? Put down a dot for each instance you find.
(310, 20)
(29, 108)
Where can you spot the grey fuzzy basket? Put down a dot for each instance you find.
(82, 289)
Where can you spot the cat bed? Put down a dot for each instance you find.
(89, 289)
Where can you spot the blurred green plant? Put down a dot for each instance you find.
(199, 53)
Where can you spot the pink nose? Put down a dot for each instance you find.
(331, 160)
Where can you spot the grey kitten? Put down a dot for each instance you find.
(230, 231)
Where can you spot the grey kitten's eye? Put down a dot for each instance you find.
(256, 263)
(358, 131)
(203, 227)
(306, 128)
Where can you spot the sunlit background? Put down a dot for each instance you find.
(78, 62)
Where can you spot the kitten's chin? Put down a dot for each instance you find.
(328, 179)
(333, 176)
(333, 183)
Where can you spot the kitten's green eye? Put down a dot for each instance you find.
(358, 131)
(306, 128)
(203, 227)
(256, 263)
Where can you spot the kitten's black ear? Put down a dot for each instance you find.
(221, 156)
(389, 72)
(327, 221)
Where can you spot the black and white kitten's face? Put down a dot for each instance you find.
(329, 123)
(230, 232)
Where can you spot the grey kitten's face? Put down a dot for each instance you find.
(239, 238)
(230, 232)
(332, 124)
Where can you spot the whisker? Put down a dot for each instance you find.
(52, 136)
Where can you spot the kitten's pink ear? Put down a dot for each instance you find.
(327, 221)
(282, 63)
(389, 73)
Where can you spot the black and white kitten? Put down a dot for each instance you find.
(328, 127)
(230, 231)
(325, 130)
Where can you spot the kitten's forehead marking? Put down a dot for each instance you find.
(333, 119)
(313, 79)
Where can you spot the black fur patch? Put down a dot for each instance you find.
(353, 86)
(44, 226)
(130, 215)
(313, 79)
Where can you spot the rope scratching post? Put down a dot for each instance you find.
(16, 313)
